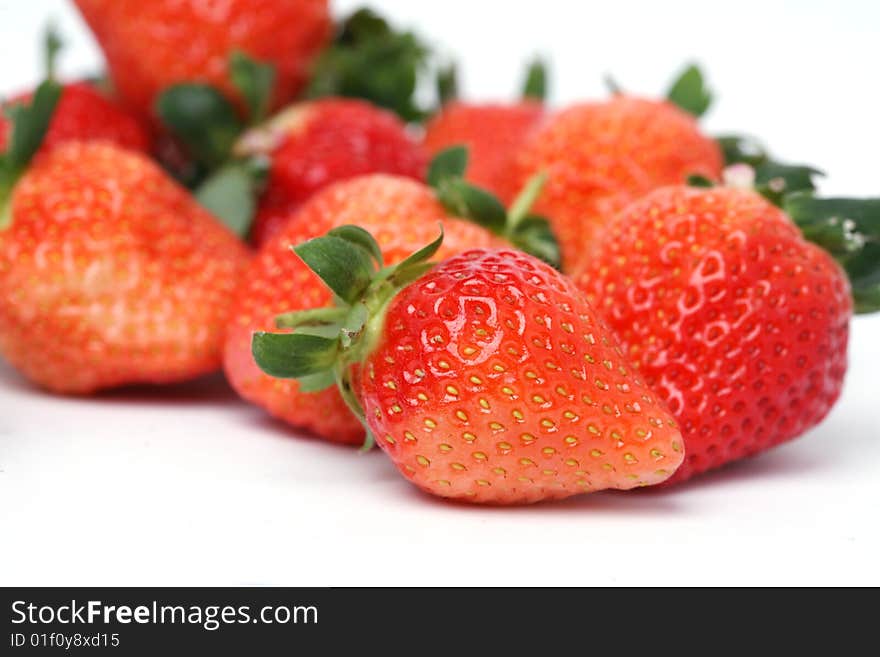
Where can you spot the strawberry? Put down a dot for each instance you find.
(316, 143)
(152, 45)
(736, 320)
(492, 132)
(83, 114)
(598, 157)
(401, 212)
(487, 378)
(109, 272)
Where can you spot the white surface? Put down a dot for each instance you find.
(187, 485)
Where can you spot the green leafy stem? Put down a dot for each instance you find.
(322, 344)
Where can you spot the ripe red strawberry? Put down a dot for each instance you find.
(84, 114)
(110, 273)
(401, 212)
(737, 321)
(599, 157)
(316, 143)
(488, 379)
(152, 45)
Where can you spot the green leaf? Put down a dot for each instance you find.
(311, 317)
(528, 196)
(690, 93)
(535, 236)
(369, 59)
(849, 229)
(30, 121)
(864, 276)
(230, 195)
(447, 83)
(740, 149)
(423, 254)
(52, 45)
(468, 201)
(775, 180)
(292, 355)
(255, 80)
(345, 268)
(203, 119)
(329, 331)
(360, 237)
(535, 87)
(449, 163)
(697, 180)
(317, 382)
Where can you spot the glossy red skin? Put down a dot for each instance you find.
(151, 45)
(493, 133)
(402, 214)
(111, 274)
(83, 113)
(494, 381)
(329, 141)
(599, 157)
(730, 315)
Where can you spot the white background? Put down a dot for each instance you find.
(188, 485)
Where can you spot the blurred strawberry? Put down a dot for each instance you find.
(493, 133)
(152, 45)
(598, 157)
(313, 144)
(109, 272)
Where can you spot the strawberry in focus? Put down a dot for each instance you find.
(486, 378)
(736, 320)
(402, 213)
(150, 46)
(110, 273)
(313, 144)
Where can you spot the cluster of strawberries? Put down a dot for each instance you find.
(515, 303)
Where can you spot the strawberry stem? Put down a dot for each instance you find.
(52, 45)
(525, 231)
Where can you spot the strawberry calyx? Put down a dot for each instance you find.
(320, 345)
(689, 91)
(773, 179)
(370, 59)
(208, 125)
(447, 84)
(518, 225)
(535, 85)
